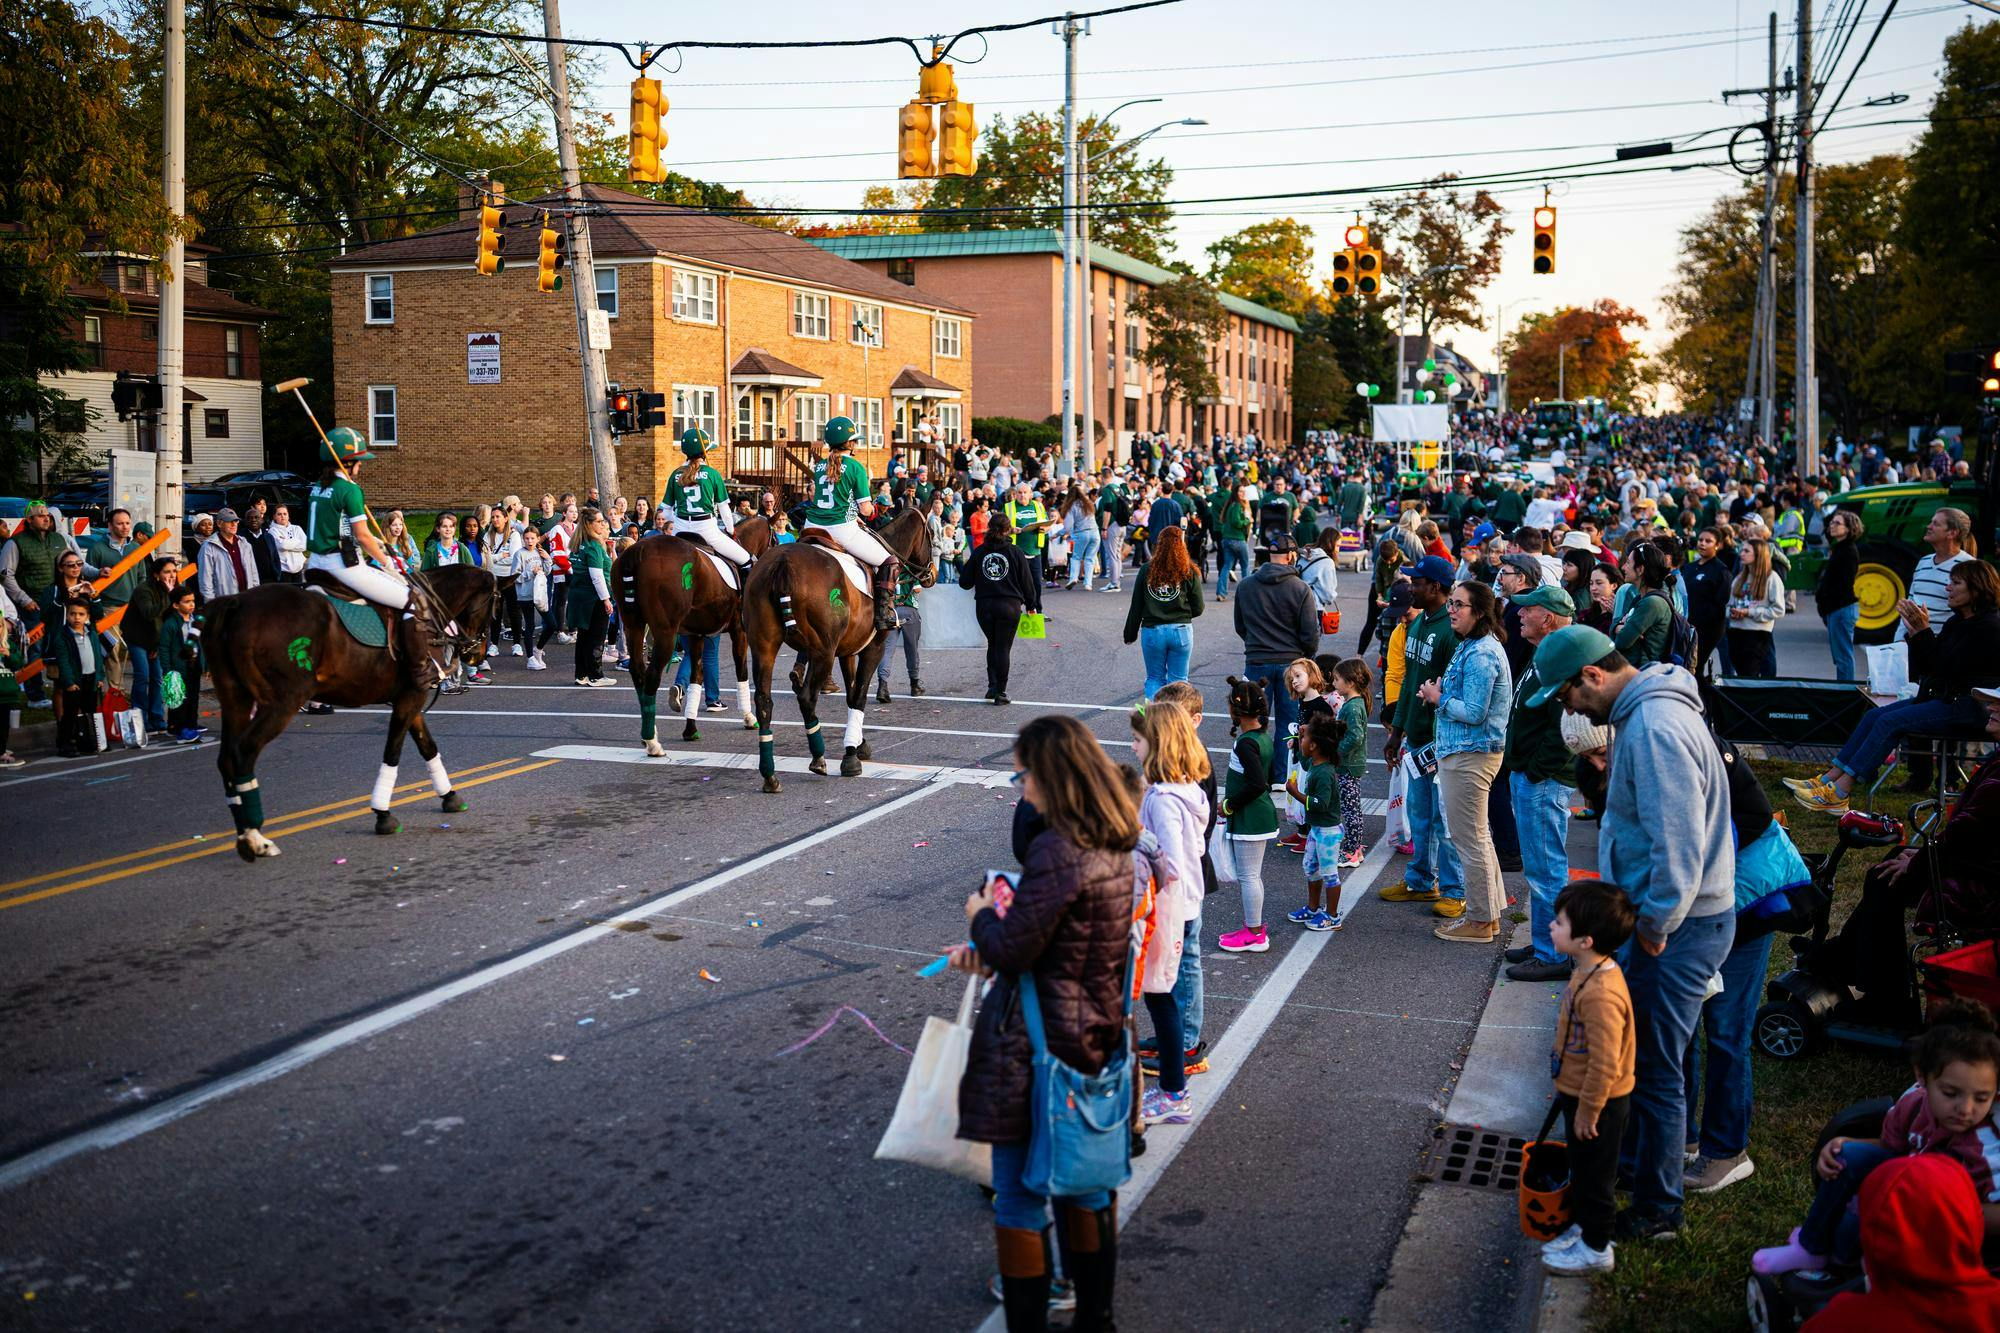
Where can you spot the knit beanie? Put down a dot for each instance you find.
(1582, 735)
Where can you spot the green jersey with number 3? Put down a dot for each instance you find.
(701, 500)
(334, 510)
(840, 485)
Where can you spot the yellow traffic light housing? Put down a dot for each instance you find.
(1343, 273)
(914, 136)
(935, 82)
(1545, 239)
(957, 128)
(1368, 271)
(548, 266)
(490, 260)
(649, 133)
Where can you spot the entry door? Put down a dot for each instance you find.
(767, 413)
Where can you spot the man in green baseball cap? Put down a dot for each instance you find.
(1561, 663)
(1539, 770)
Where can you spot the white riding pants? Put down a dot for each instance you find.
(855, 539)
(375, 585)
(711, 532)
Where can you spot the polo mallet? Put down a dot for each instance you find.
(293, 387)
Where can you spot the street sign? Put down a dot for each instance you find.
(482, 358)
(1746, 409)
(600, 330)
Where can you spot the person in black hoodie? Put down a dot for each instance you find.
(1277, 617)
(1834, 594)
(1706, 579)
(1003, 586)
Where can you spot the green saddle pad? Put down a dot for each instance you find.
(364, 621)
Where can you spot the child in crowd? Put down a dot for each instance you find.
(180, 654)
(1247, 804)
(77, 659)
(533, 563)
(1319, 796)
(1174, 812)
(13, 656)
(1401, 611)
(1305, 684)
(1594, 1064)
(1188, 990)
(1921, 1226)
(1351, 680)
(1949, 1111)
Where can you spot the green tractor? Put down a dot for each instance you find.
(1893, 519)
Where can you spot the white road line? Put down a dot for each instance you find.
(1225, 1060)
(126, 1128)
(632, 754)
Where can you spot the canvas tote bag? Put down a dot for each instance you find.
(924, 1129)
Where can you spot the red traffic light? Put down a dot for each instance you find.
(1356, 237)
(621, 402)
(1545, 217)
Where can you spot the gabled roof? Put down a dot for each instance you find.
(757, 366)
(1027, 241)
(201, 300)
(633, 225)
(914, 383)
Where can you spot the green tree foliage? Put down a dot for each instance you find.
(1437, 227)
(74, 175)
(1020, 170)
(1183, 319)
(1607, 364)
(1267, 262)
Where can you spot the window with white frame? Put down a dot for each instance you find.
(382, 414)
(232, 353)
(812, 315)
(746, 415)
(1131, 343)
(866, 327)
(607, 291)
(694, 405)
(810, 413)
(381, 298)
(947, 336)
(867, 416)
(951, 423)
(694, 296)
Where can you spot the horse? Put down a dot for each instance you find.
(666, 585)
(800, 596)
(276, 647)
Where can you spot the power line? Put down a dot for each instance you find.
(1880, 23)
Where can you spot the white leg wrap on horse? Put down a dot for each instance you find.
(852, 735)
(691, 701)
(385, 788)
(745, 702)
(440, 779)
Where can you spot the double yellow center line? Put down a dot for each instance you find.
(214, 844)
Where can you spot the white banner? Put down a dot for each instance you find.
(482, 358)
(1412, 423)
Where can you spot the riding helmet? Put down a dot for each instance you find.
(694, 442)
(839, 432)
(343, 444)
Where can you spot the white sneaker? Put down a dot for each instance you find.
(567, 636)
(1578, 1259)
(535, 663)
(517, 650)
(1564, 1241)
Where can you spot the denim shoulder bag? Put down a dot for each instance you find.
(1079, 1139)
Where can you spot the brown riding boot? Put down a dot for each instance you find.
(1090, 1260)
(420, 647)
(1024, 1277)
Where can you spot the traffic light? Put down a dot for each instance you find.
(1545, 239)
(956, 130)
(935, 83)
(548, 275)
(1989, 377)
(490, 259)
(1368, 271)
(1344, 272)
(619, 404)
(649, 133)
(913, 141)
(649, 410)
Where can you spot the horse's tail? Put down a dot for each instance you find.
(781, 593)
(625, 583)
(216, 619)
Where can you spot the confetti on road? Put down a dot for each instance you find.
(559, 1058)
(340, 860)
(585, 1022)
(919, 844)
(707, 975)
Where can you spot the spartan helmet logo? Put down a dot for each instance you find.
(994, 566)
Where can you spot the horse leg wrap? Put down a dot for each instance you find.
(252, 800)
(385, 788)
(816, 741)
(767, 755)
(649, 716)
(745, 705)
(691, 701)
(235, 804)
(440, 780)
(851, 737)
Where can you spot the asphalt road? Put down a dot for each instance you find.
(537, 1064)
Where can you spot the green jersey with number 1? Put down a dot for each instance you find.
(840, 485)
(334, 511)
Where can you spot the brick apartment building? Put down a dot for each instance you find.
(222, 393)
(468, 386)
(1013, 279)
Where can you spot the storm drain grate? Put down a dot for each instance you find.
(1469, 1155)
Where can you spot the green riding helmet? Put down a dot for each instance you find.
(839, 432)
(694, 442)
(343, 445)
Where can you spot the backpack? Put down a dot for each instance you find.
(1683, 647)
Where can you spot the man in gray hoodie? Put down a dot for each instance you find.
(1665, 837)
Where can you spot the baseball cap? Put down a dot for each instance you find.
(226, 515)
(1435, 568)
(1399, 599)
(1547, 596)
(1281, 542)
(1484, 533)
(1985, 696)
(1563, 654)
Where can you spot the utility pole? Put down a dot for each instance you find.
(1761, 373)
(1083, 337)
(1069, 30)
(583, 269)
(173, 277)
(1805, 380)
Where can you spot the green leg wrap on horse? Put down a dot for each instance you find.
(649, 710)
(253, 803)
(816, 740)
(767, 759)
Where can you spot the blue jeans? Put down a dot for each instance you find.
(1666, 1005)
(1166, 649)
(1228, 553)
(1832, 1227)
(148, 687)
(1440, 867)
(1840, 640)
(1541, 816)
(1083, 555)
(1719, 1083)
(1187, 986)
(1014, 1204)
(711, 664)
(1882, 729)
(1284, 708)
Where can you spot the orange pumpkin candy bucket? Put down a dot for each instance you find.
(1543, 1197)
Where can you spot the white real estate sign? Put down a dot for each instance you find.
(482, 358)
(132, 483)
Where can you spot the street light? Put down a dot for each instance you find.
(1402, 311)
(1089, 302)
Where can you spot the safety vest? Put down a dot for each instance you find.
(1790, 532)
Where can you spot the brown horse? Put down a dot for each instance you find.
(665, 585)
(799, 595)
(276, 647)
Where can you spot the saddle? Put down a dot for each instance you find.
(729, 572)
(368, 623)
(856, 572)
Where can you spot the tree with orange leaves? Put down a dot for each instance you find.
(1601, 361)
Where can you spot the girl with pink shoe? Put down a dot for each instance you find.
(1247, 805)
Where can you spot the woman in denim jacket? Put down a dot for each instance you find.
(1473, 698)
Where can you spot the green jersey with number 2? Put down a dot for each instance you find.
(840, 484)
(700, 500)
